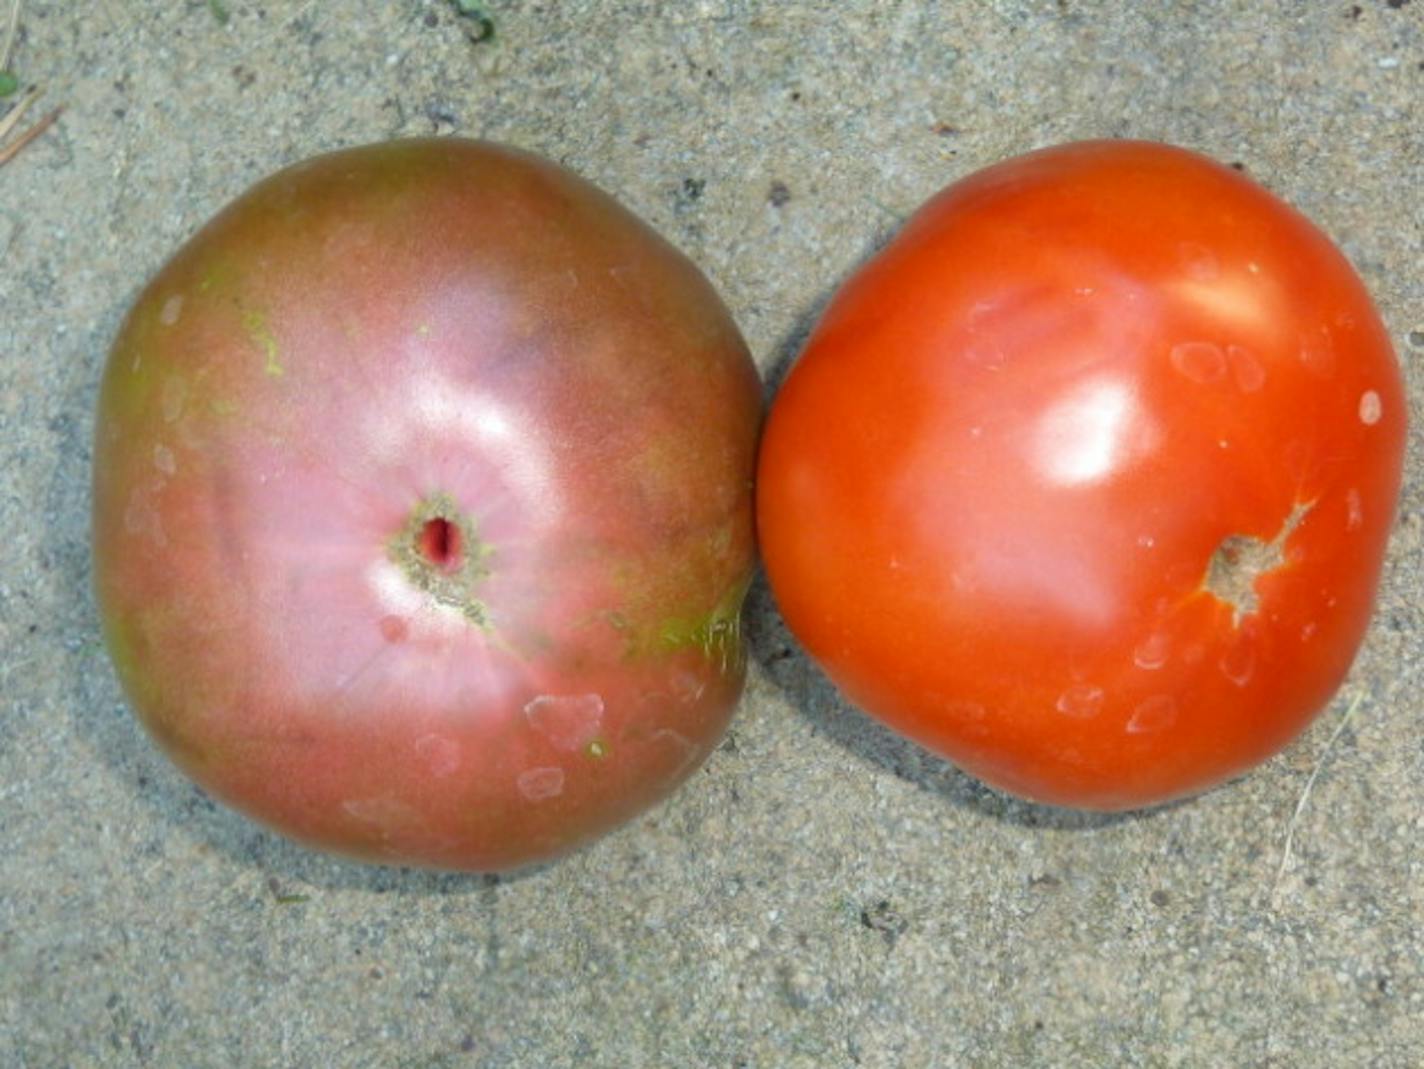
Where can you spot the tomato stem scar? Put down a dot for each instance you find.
(1240, 560)
(439, 551)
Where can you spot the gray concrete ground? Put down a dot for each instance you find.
(821, 895)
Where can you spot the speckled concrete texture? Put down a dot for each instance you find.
(822, 894)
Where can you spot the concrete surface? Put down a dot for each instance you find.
(822, 895)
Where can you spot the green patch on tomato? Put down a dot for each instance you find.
(716, 634)
(260, 334)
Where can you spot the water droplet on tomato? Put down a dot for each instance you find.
(1200, 361)
(1238, 663)
(569, 721)
(1370, 408)
(537, 784)
(1155, 714)
(1081, 701)
(1153, 652)
(1246, 368)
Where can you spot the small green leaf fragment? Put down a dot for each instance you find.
(718, 634)
(9, 84)
(284, 898)
(220, 12)
(475, 11)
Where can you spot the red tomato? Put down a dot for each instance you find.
(1085, 481)
(422, 506)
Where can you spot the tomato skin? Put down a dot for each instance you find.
(422, 510)
(992, 488)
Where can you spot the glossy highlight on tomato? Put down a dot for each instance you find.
(422, 513)
(1085, 481)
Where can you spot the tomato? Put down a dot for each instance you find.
(1085, 480)
(422, 508)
